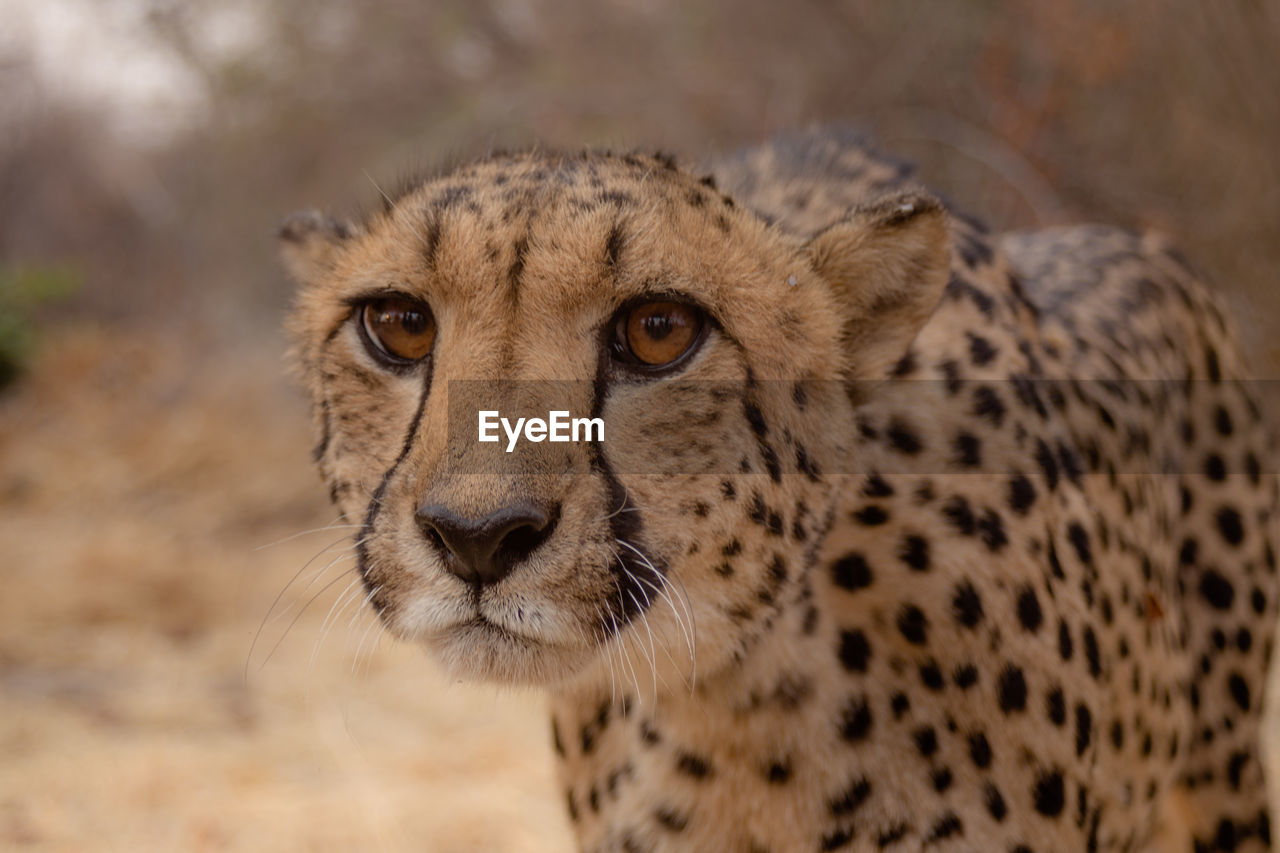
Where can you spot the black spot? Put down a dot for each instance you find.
(926, 740)
(835, 840)
(847, 801)
(913, 624)
(671, 819)
(980, 750)
(946, 826)
(1084, 728)
(1187, 553)
(556, 742)
(1230, 525)
(1022, 494)
(981, 351)
(1216, 589)
(991, 529)
(1222, 421)
(892, 835)
(1056, 706)
(755, 418)
(1211, 366)
(871, 515)
(1012, 689)
(693, 765)
(931, 675)
(774, 524)
(1239, 690)
(805, 465)
(914, 551)
(800, 396)
(855, 719)
(1050, 796)
(778, 772)
(1235, 768)
(1214, 468)
(877, 487)
(1091, 652)
(771, 463)
(852, 572)
(727, 490)
(1048, 464)
(967, 605)
(995, 802)
(1080, 541)
(855, 651)
(941, 779)
(903, 438)
(960, 515)
(988, 405)
(965, 676)
(905, 365)
(1065, 646)
(968, 449)
(1029, 613)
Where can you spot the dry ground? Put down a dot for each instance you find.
(135, 492)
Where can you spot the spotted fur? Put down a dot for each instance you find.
(942, 540)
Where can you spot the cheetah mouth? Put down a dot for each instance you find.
(480, 649)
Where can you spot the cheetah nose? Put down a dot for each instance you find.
(484, 550)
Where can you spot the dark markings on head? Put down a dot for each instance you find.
(613, 246)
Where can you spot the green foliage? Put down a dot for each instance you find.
(23, 290)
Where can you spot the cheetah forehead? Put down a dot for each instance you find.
(588, 216)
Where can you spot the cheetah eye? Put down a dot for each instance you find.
(657, 335)
(398, 330)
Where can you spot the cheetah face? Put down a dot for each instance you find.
(715, 349)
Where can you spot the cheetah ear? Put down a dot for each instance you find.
(887, 264)
(310, 243)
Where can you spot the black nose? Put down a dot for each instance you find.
(484, 550)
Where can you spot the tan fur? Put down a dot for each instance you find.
(799, 599)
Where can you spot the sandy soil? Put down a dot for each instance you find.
(136, 494)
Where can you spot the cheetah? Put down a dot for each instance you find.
(901, 534)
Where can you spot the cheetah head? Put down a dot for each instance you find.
(720, 353)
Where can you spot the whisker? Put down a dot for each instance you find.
(691, 637)
(327, 625)
(334, 525)
(266, 618)
(301, 611)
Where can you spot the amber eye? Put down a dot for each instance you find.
(657, 334)
(401, 330)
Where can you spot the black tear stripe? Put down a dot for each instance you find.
(375, 502)
(639, 577)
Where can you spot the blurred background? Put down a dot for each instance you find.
(156, 494)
